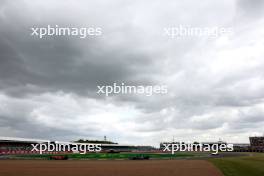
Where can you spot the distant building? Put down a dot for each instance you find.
(256, 145)
(256, 141)
(241, 147)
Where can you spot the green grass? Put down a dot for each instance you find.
(112, 156)
(252, 165)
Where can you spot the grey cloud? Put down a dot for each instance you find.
(251, 8)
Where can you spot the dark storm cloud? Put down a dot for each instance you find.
(29, 64)
(60, 66)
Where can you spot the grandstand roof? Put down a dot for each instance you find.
(30, 140)
(16, 139)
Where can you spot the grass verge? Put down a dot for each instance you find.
(252, 165)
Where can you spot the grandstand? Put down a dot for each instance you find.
(257, 143)
(12, 145)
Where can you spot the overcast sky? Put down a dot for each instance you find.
(215, 85)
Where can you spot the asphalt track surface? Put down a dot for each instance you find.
(108, 168)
